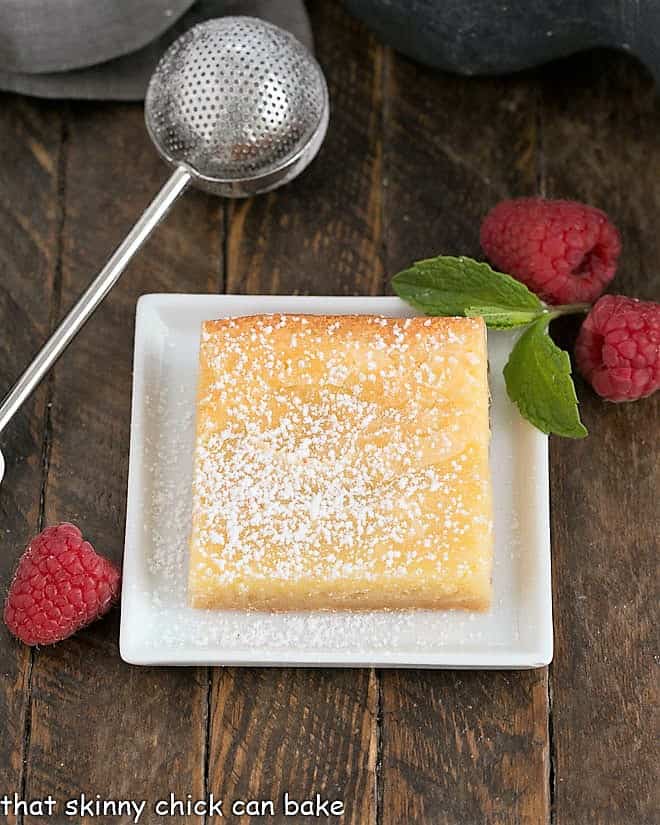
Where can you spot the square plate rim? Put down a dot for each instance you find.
(538, 654)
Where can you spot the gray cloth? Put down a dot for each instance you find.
(94, 49)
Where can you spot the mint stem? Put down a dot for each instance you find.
(567, 309)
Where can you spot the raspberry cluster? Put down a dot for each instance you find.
(567, 253)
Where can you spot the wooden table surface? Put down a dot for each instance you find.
(412, 161)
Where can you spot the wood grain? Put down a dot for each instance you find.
(297, 731)
(31, 137)
(466, 748)
(98, 725)
(458, 748)
(601, 146)
(308, 731)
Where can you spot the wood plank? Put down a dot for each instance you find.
(307, 731)
(601, 143)
(98, 725)
(458, 748)
(30, 136)
(465, 747)
(296, 731)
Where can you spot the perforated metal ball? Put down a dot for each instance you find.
(240, 102)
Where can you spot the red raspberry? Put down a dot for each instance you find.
(618, 348)
(564, 251)
(60, 585)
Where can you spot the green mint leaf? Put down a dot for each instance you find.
(461, 286)
(538, 379)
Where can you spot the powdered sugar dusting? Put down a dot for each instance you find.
(341, 456)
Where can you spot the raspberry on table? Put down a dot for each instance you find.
(564, 251)
(60, 586)
(618, 348)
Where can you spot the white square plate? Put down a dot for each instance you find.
(157, 626)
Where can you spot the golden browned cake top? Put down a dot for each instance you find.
(325, 445)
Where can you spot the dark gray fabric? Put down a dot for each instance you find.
(127, 37)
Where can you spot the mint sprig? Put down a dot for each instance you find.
(460, 286)
(538, 373)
